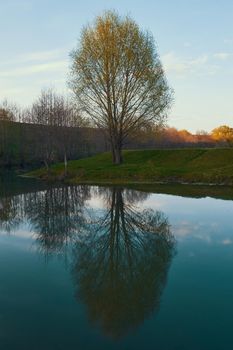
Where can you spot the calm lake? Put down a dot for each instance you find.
(90, 267)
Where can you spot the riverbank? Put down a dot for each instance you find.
(190, 166)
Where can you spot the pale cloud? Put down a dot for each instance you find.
(183, 229)
(32, 63)
(42, 55)
(172, 63)
(22, 77)
(176, 64)
(203, 231)
(201, 60)
(228, 41)
(11, 91)
(223, 55)
(36, 57)
(227, 242)
(180, 66)
(34, 69)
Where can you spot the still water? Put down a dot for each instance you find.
(91, 267)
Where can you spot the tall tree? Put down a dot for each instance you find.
(118, 78)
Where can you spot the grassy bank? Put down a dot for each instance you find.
(208, 166)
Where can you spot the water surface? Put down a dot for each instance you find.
(86, 267)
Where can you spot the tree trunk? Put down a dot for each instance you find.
(116, 148)
(118, 156)
(65, 163)
(113, 153)
(46, 165)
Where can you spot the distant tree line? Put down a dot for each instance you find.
(221, 136)
(53, 130)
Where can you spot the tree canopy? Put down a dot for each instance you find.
(223, 133)
(118, 78)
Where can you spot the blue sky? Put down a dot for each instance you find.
(194, 39)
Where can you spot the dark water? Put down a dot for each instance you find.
(112, 268)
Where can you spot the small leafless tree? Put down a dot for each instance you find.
(118, 79)
(55, 114)
(42, 114)
(67, 116)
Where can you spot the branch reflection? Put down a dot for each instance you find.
(119, 255)
(122, 264)
(57, 215)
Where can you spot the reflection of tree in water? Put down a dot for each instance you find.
(56, 215)
(121, 254)
(122, 264)
(11, 213)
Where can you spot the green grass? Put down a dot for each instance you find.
(208, 166)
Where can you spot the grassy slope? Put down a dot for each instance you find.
(183, 165)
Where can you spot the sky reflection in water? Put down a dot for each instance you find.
(101, 268)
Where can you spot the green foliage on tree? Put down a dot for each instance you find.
(118, 79)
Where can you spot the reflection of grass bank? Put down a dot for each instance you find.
(218, 192)
(207, 166)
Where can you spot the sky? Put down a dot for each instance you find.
(194, 39)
